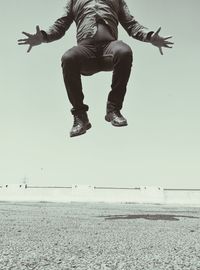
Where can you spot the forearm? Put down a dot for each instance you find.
(143, 36)
(133, 27)
(60, 26)
(57, 30)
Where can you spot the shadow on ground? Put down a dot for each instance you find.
(148, 216)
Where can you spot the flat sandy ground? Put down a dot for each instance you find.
(85, 236)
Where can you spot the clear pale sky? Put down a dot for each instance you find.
(160, 146)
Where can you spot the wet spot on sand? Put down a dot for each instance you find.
(148, 217)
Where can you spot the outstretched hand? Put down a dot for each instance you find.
(160, 42)
(32, 39)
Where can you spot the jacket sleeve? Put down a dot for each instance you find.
(132, 27)
(60, 26)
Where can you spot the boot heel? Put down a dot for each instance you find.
(88, 126)
(107, 118)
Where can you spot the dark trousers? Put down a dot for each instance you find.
(90, 57)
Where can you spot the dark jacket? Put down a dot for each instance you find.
(86, 14)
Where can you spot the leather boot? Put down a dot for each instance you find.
(114, 116)
(81, 125)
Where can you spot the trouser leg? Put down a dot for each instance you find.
(122, 63)
(72, 62)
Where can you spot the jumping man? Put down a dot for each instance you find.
(98, 49)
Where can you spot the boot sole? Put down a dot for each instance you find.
(115, 125)
(88, 126)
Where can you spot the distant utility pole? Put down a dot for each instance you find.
(25, 180)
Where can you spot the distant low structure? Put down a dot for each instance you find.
(88, 193)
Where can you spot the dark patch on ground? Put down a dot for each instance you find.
(148, 217)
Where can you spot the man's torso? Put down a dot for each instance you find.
(98, 15)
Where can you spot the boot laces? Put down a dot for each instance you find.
(117, 113)
(80, 119)
(77, 120)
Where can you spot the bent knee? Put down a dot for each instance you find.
(125, 52)
(69, 57)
